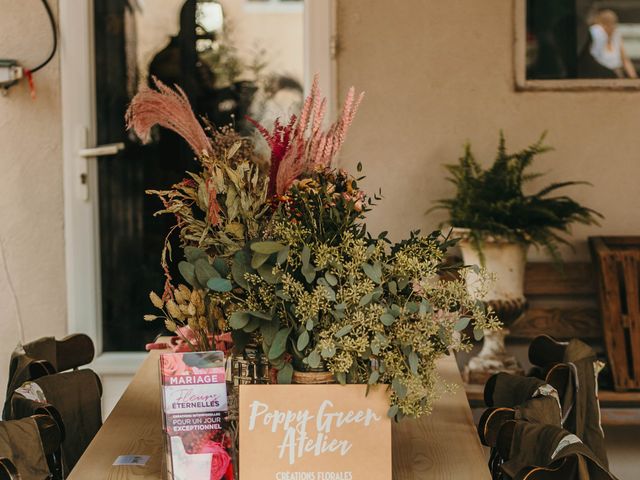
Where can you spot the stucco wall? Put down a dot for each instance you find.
(438, 73)
(31, 208)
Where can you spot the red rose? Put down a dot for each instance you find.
(220, 460)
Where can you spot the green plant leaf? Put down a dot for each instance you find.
(252, 326)
(461, 323)
(414, 361)
(366, 299)
(239, 267)
(331, 279)
(279, 345)
(261, 315)
(188, 272)
(192, 254)
(425, 307)
(303, 341)
(314, 360)
(239, 320)
(266, 272)
(372, 272)
(258, 259)
(267, 247)
(219, 285)
(204, 271)
(478, 334)
(393, 287)
(221, 266)
(283, 255)
(285, 374)
(373, 378)
(412, 307)
(341, 377)
(387, 319)
(268, 331)
(343, 331)
(309, 324)
(393, 411)
(399, 388)
(328, 352)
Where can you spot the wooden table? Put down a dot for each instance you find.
(443, 445)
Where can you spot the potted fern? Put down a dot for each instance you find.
(496, 223)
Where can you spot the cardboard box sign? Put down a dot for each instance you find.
(314, 432)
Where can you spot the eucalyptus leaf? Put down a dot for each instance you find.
(267, 247)
(478, 334)
(283, 255)
(343, 331)
(266, 272)
(303, 340)
(371, 272)
(387, 319)
(268, 331)
(285, 374)
(240, 340)
(393, 287)
(412, 307)
(414, 361)
(328, 352)
(399, 388)
(393, 411)
(252, 326)
(341, 377)
(238, 320)
(366, 299)
(188, 272)
(239, 268)
(279, 345)
(192, 254)
(314, 360)
(205, 271)
(219, 285)
(462, 323)
(374, 377)
(258, 259)
(221, 266)
(331, 279)
(309, 324)
(263, 316)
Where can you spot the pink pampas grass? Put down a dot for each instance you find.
(170, 109)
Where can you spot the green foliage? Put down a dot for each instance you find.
(491, 202)
(335, 298)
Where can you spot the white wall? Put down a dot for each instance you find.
(31, 208)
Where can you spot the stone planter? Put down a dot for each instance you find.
(507, 261)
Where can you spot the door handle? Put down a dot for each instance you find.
(101, 150)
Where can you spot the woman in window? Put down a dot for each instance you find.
(607, 47)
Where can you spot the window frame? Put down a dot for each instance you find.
(572, 84)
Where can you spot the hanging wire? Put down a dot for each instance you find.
(54, 34)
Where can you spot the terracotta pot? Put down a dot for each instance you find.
(313, 378)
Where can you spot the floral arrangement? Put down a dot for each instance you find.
(281, 257)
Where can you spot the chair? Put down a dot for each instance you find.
(30, 448)
(8, 470)
(572, 368)
(44, 357)
(73, 400)
(546, 452)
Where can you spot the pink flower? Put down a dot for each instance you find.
(220, 459)
(173, 365)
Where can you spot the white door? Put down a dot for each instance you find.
(109, 48)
